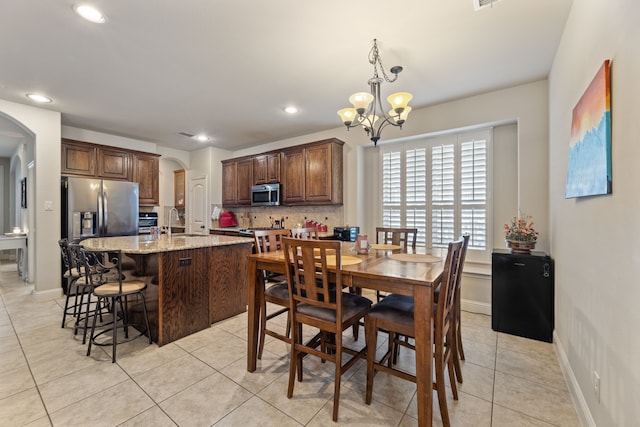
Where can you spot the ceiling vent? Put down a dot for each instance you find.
(482, 4)
(187, 134)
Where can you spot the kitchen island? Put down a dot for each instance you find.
(192, 280)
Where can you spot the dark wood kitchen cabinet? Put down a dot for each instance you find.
(89, 160)
(113, 163)
(237, 179)
(78, 158)
(312, 174)
(146, 172)
(266, 169)
(179, 188)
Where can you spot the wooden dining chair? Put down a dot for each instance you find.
(395, 316)
(305, 233)
(404, 237)
(319, 302)
(458, 350)
(276, 288)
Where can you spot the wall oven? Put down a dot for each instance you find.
(146, 220)
(265, 195)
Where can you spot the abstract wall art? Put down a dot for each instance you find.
(589, 164)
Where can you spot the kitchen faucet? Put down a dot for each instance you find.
(177, 217)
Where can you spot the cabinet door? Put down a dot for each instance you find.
(114, 164)
(318, 179)
(179, 188)
(146, 172)
(78, 159)
(260, 166)
(229, 183)
(244, 181)
(273, 168)
(293, 182)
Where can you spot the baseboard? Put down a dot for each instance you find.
(475, 307)
(574, 388)
(47, 295)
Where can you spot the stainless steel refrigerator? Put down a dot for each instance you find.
(98, 208)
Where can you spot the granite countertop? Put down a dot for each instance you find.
(146, 244)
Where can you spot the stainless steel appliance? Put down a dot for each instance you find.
(146, 220)
(265, 195)
(346, 234)
(98, 208)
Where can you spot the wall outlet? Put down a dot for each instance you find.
(596, 385)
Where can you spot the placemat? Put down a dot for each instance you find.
(346, 260)
(415, 258)
(385, 247)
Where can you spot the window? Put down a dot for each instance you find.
(439, 185)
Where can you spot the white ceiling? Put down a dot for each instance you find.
(227, 68)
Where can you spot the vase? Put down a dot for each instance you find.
(521, 247)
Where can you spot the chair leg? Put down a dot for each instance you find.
(66, 302)
(338, 375)
(115, 327)
(146, 316)
(263, 326)
(440, 388)
(293, 362)
(371, 337)
(91, 334)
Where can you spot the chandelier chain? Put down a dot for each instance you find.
(375, 59)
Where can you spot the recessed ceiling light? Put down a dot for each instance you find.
(39, 98)
(291, 109)
(201, 137)
(90, 13)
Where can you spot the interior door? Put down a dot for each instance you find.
(198, 211)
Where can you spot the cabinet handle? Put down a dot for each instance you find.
(519, 264)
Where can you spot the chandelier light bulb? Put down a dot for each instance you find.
(361, 101)
(347, 115)
(399, 100)
(400, 118)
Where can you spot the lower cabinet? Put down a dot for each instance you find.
(522, 295)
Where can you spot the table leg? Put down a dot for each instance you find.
(423, 300)
(256, 287)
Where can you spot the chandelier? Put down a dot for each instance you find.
(367, 108)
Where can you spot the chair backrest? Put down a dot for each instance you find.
(463, 255)
(101, 267)
(405, 237)
(305, 233)
(308, 272)
(446, 299)
(270, 240)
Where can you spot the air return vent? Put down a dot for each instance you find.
(187, 134)
(481, 4)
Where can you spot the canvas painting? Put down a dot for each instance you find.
(589, 168)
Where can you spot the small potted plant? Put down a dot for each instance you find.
(520, 235)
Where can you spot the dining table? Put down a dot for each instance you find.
(380, 270)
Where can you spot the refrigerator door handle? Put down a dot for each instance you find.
(105, 212)
(100, 214)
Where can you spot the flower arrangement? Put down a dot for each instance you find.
(521, 229)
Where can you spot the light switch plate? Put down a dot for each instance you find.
(48, 205)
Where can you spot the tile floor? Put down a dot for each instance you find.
(201, 380)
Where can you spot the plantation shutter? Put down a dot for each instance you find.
(442, 194)
(473, 191)
(391, 189)
(416, 192)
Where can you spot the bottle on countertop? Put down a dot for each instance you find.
(282, 222)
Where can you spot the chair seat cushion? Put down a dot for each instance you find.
(112, 289)
(352, 306)
(278, 291)
(395, 308)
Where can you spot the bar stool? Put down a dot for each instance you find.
(114, 292)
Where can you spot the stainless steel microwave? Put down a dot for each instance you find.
(265, 195)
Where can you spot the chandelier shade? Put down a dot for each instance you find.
(367, 110)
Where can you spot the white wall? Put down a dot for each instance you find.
(595, 241)
(43, 237)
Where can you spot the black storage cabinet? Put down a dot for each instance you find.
(522, 294)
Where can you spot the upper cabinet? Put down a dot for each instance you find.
(313, 173)
(78, 158)
(266, 168)
(146, 172)
(237, 179)
(179, 188)
(114, 163)
(99, 161)
(310, 174)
